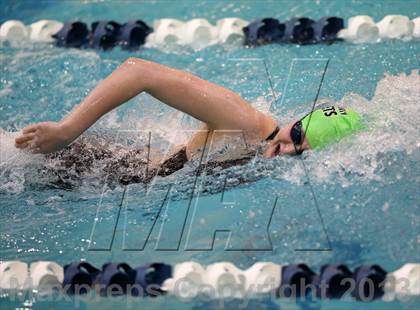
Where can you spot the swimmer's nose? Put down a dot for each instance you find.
(277, 150)
(273, 150)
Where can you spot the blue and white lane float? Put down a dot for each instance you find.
(199, 33)
(219, 281)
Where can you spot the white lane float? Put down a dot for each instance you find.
(403, 283)
(13, 30)
(186, 280)
(230, 30)
(13, 275)
(262, 277)
(226, 279)
(395, 27)
(217, 281)
(360, 29)
(199, 33)
(416, 27)
(42, 31)
(167, 31)
(45, 274)
(223, 280)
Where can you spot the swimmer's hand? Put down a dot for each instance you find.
(43, 138)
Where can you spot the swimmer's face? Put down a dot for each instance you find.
(282, 144)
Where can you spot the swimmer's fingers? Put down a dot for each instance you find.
(43, 137)
(24, 140)
(24, 146)
(32, 146)
(28, 135)
(31, 128)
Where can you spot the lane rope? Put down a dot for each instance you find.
(219, 280)
(199, 33)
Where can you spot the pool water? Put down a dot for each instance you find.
(366, 187)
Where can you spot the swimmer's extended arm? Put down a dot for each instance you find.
(218, 107)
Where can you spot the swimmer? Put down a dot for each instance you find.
(219, 109)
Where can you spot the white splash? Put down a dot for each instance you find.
(13, 163)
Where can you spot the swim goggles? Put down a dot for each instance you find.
(297, 137)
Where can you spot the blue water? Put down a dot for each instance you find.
(366, 186)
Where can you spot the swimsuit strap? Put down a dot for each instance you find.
(273, 134)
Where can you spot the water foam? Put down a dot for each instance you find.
(14, 163)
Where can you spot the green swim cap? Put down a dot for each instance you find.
(329, 125)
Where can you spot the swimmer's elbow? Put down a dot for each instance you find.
(139, 67)
(134, 61)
